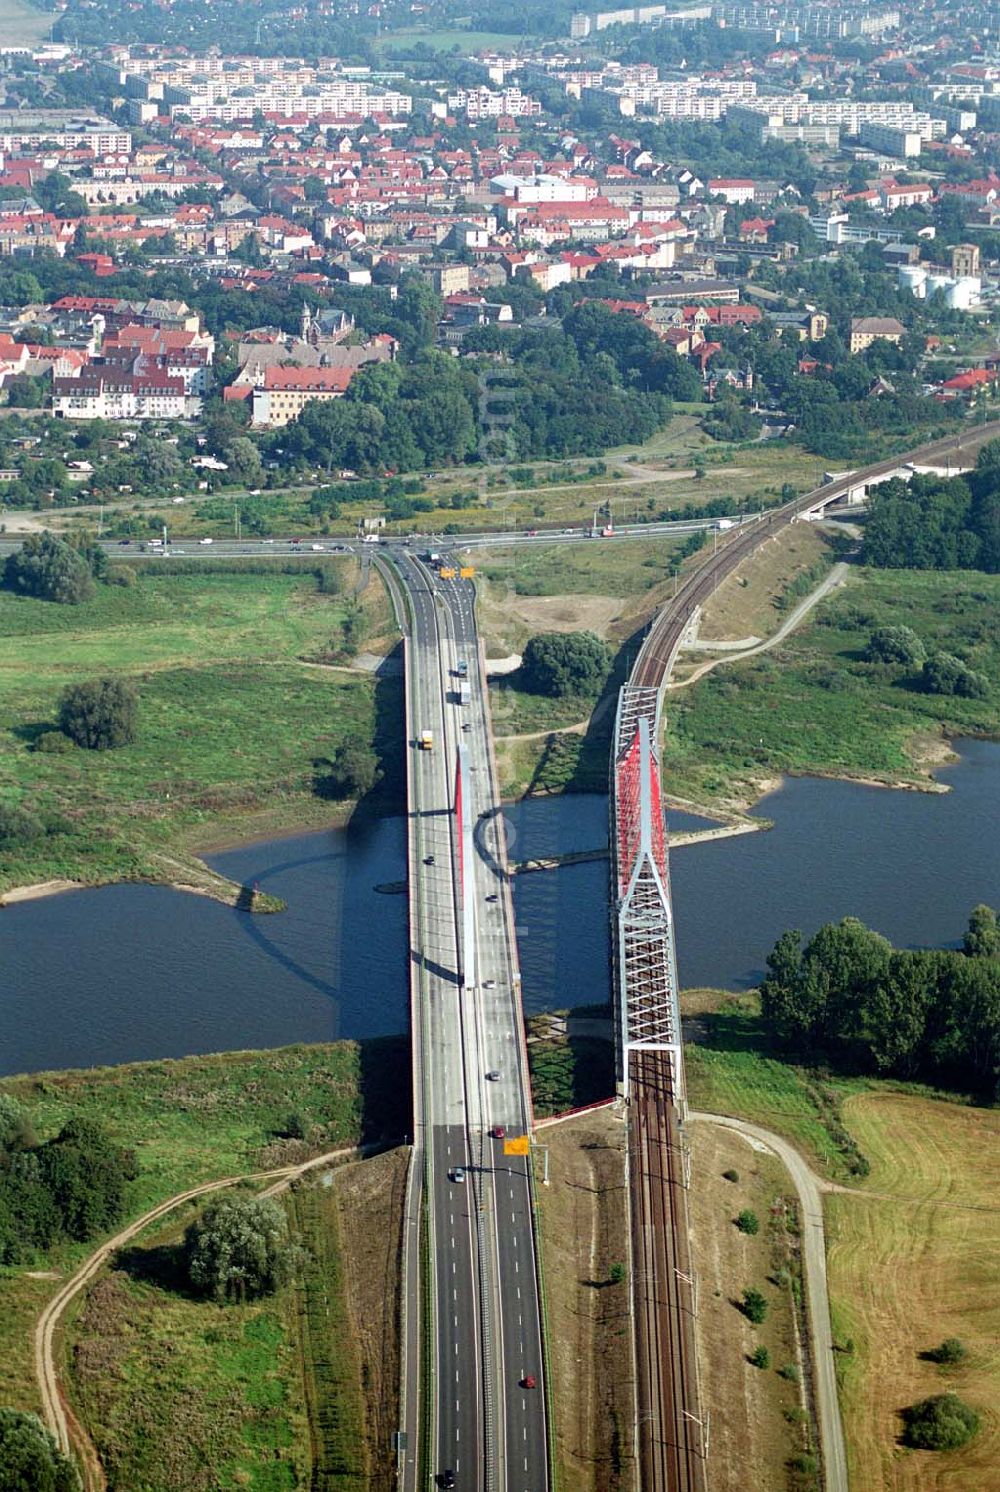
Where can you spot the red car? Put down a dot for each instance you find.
(498, 1132)
(528, 1381)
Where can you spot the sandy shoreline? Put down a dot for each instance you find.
(39, 890)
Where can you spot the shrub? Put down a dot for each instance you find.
(616, 1274)
(99, 714)
(53, 743)
(754, 1306)
(748, 1222)
(760, 1358)
(789, 1372)
(17, 825)
(943, 673)
(730, 1175)
(950, 1352)
(940, 1423)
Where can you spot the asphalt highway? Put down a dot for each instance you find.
(488, 1429)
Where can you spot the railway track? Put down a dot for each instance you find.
(673, 1438)
(671, 1442)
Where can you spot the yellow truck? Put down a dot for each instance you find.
(427, 740)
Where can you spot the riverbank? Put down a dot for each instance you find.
(236, 735)
(814, 706)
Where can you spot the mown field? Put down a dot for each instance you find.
(908, 1272)
(813, 704)
(233, 726)
(913, 1243)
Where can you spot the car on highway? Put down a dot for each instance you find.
(498, 1132)
(493, 1076)
(446, 1480)
(428, 859)
(489, 984)
(458, 1174)
(528, 1381)
(493, 896)
(467, 726)
(206, 541)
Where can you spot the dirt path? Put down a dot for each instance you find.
(69, 1433)
(827, 584)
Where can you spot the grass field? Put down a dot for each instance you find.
(231, 722)
(182, 1395)
(297, 1391)
(756, 1413)
(583, 1236)
(21, 25)
(905, 1274)
(730, 1070)
(814, 705)
(195, 1119)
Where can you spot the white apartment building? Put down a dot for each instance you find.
(484, 103)
(27, 129)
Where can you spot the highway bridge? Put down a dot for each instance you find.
(472, 1322)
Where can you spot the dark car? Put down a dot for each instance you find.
(446, 1479)
(428, 859)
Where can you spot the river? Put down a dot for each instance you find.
(128, 972)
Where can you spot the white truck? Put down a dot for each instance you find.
(427, 740)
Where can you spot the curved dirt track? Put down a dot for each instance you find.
(69, 1433)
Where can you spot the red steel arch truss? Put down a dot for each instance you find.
(645, 963)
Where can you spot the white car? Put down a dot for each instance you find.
(206, 541)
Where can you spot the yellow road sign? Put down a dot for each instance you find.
(448, 573)
(467, 572)
(519, 1145)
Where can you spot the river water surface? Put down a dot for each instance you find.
(129, 972)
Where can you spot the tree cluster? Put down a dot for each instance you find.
(72, 1186)
(30, 1460)
(52, 570)
(928, 1013)
(561, 663)
(930, 523)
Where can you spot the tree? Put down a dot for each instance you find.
(354, 770)
(30, 1460)
(760, 1358)
(100, 714)
(895, 645)
(748, 1222)
(560, 663)
(941, 1423)
(943, 673)
(243, 460)
(754, 1306)
(239, 1248)
(85, 1174)
(982, 938)
(50, 569)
